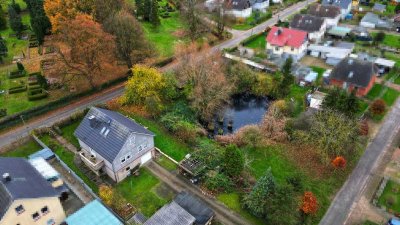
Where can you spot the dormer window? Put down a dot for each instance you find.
(104, 131)
(35, 216)
(45, 210)
(20, 209)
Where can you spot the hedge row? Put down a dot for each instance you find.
(41, 95)
(34, 86)
(14, 119)
(16, 74)
(17, 89)
(3, 112)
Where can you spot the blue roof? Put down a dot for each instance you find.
(394, 221)
(93, 213)
(44, 153)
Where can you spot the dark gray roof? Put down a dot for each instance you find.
(343, 4)
(171, 214)
(195, 207)
(120, 128)
(379, 7)
(306, 23)
(328, 11)
(138, 218)
(354, 71)
(239, 4)
(26, 182)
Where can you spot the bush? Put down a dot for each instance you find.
(378, 107)
(37, 96)
(218, 182)
(16, 74)
(17, 89)
(20, 66)
(34, 86)
(35, 92)
(3, 112)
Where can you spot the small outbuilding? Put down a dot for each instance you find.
(379, 8)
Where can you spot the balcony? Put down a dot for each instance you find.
(92, 162)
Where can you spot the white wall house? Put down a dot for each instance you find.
(314, 26)
(260, 5)
(345, 6)
(330, 13)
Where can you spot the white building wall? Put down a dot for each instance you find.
(261, 6)
(246, 13)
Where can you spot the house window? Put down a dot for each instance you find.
(128, 168)
(123, 159)
(45, 210)
(20, 209)
(276, 48)
(292, 49)
(128, 157)
(35, 216)
(51, 222)
(140, 148)
(102, 130)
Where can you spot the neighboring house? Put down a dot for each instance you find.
(371, 20)
(113, 144)
(353, 74)
(332, 54)
(330, 13)
(260, 5)
(94, 213)
(345, 6)
(339, 32)
(26, 198)
(239, 8)
(185, 209)
(361, 33)
(314, 26)
(315, 99)
(380, 8)
(287, 42)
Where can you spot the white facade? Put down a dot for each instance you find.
(318, 35)
(295, 53)
(332, 22)
(346, 11)
(367, 25)
(261, 6)
(245, 13)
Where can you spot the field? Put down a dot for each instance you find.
(390, 197)
(390, 40)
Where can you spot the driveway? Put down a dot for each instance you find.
(50, 118)
(223, 214)
(350, 193)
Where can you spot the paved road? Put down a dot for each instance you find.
(7, 138)
(351, 191)
(223, 214)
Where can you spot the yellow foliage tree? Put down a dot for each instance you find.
(144, 88)
(106, 194)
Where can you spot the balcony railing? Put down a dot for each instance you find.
(92, 162)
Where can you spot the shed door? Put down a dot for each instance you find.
(145, 158)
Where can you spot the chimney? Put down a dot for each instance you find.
(92, 121)
(6, 177)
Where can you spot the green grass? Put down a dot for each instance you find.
(390, 96)
(391, 191)
(390, 40)
(163, 37)
(375, 92)
(68, 133)
(232, 201)
(250, 22)
(140, 192)
(298, 94)
(68, 158)
(164, 140)
(256, 42)
(320, 72)
(21, 3)
(166, 163)
(24, 150)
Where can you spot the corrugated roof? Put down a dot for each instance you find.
(343, 4)
(26, 182)
(195, 207)
(44, 168)
(354, 71)
(171, 214)
(94, 126)
(93, 213)
(281, 36)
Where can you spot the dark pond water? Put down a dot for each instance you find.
(242, 111)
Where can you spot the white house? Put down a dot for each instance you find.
(286, 42)
(314, 26)
(344, 5)
(260, 5)
(239, 8)
(113, 144)
(330, 13)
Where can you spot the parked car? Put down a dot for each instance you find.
(393, 221)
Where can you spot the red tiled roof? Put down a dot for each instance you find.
(287, 37)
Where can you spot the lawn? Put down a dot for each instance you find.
(24, 150)
(166, 163)
(320, 72)
(298, 94)
(68, 133)
(167, 35)
(375, 92)
(391, 197)
(390, 40)
(257, 42)
(251, 22)
(390, 96)
(141, 192)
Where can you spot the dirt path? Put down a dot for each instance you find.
(223, 214)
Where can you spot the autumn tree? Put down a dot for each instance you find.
(243, 78)
(85, 52)
(103, 9)
(339, 162)
(132, 46)
(309, 204)
(282, 204)
(144, 88)
(257, 199)
(233, 161)
(220, 18)
(40, 23)
(192, 14)
(378, 107)
(106, 194)
(15, 20)
(203, 79)
(364, 128)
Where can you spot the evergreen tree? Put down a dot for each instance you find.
(15, 20)
(256, 200)
(139, 9)
(39, 21)
(3, 47)
(154, 17)
(287, 79)
(341, 101)
(3, 20)
(233, 161)
(16, 6)
(147, 4)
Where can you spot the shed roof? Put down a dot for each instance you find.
(339, 31)
(44, 153)
(93, 128)
(93, 213)
(379, 7)
(44, 168)
(195, 207)
(171, 214)
(385, 62)
(343, 4)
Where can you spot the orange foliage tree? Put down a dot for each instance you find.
(84, 53)
(339, 162)
(309, 203)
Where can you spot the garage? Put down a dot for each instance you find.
(145, 158)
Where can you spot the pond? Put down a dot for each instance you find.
(243, 110)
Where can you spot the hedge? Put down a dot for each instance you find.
(16, 74)
(34, 86)
(18, 89)
(39, 96)
(35, 92)
(3, 112)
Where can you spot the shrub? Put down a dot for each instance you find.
(364, 128)
(16, 74)
(3, 112)
(34, 86)
(218, 182)
(17, 89)
(34, 92)
(390, 201)
(378, 107)
(339, 162)
(309, 203)
(20, 66)
(37, 96)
